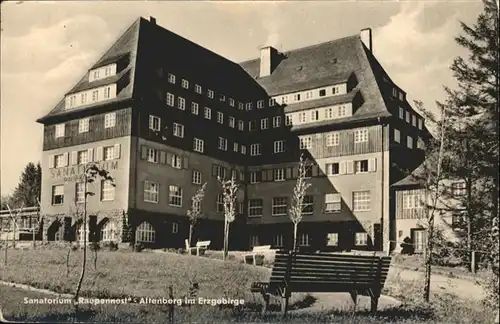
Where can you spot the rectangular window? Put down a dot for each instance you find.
(109, 153)
(264, 123)
(332, 239)
(222, 143)
(332, 139)
(296, 97)
(254, 241)
(195, 108)
(174, 196)
(207, 113)
(397, 136)
(288, 120)
(279, 146)
(332, 168)
(210, 94)
(361, 239)
(219, 203)
(314, 115)
(58, 195)
(408, 117)
(197, 88)
(175, 228)
(59, 161)
(333, 202)
(176, 161)
(109, 120)
(409, 141)
(232, 122)
(198, 145)
(279, 174)
(414, 120)
(272, 102)
(458, 189)
(420, 123)
(196, 177)
(82, 157)
(251, 125)
(361, 166)
(280, 205)
(413, 199)
(220, 172)
(95, 95)
(361, 135)
(154, 123)
(335, 90)
(260, 104)
(304, 239)
(152, 155)
(171, 78)
(170, 99)
(83, 125)
(151, 190)
(276, 121)
(220, 117)
(107, 92)
(241, 105)
(248, 106)
(231, 102)
(181, 103)
(222, 98)
(341, 111)
(401, 113)
(107, 191)
(278, 241)
(241, 125)
(243, 149)
(255, 207)
(80, 192)
(255, 149)
(236, 147)
(178, 130)
(185, 84)
(305, 142)
(419, 238)
(329, 113)
(361, 200)
(302, 117)
(253, 177)
(322, 92)
(308, 205)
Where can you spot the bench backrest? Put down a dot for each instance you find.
(326, 269)
(202, 243)
(261, 248)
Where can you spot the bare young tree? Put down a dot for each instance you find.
(299, 192)
(38, 222)
(13, 217)
(229, 190)
(194, 212)
(92, 172)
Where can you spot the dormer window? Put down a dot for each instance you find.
(322, 92)
(102, 72)
(272, 102)
(260, 104)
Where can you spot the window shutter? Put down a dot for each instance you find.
(315, 170)
(264, 175)
(91, 155)
(185, 163)
(66, 159)
(99, 154)
(117, 151)
(51, 161)
(144, 152)
(350, 167)
(288, 173)
(295, 172)
(372, 165)
(342, 167)
(163, 157)
(74, 158)
(169, 158)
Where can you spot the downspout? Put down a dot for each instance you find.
(382, 185)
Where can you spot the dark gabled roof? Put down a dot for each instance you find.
(322, 64)
(126, 45)
(417, 177)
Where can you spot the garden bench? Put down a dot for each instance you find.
(324, 272)
(256, 256)
(200, 248)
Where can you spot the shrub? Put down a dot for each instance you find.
(111, 246)
(94, 246)
(138, 247)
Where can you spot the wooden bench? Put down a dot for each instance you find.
(256, 256)
(324, 272)
(200, 248)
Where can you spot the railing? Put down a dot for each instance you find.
(27, 211)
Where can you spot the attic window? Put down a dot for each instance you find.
(322, 92)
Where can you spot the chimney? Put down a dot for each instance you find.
(366, 38)
(152, 20)
(268, 57)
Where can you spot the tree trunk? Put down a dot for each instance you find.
(226, 239)
(295, 226)
(190, 239)
(427, 263)
(6, 248)
(84, 262)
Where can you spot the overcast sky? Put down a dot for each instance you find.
(46, 47)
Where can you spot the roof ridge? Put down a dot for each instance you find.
(308, 47)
